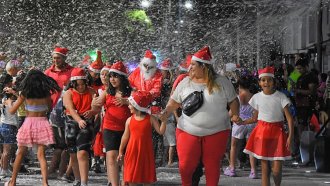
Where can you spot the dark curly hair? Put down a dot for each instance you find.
(125, 87)
(38, 85)
(73, 84)
(248, 82)
(4, 80)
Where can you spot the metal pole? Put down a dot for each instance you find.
(258, 39)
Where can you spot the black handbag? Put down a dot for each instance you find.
(192, 103)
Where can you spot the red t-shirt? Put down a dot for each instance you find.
(115, 116)
(61, 77)
(81, 101)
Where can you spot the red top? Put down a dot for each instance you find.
(115, 117)
(81, 101)
(139, 163)
(62, 78)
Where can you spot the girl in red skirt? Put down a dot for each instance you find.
(268, 141)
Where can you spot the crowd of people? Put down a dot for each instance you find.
(102, 113)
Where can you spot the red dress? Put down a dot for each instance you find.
(139, 162)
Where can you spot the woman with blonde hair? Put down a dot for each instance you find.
(203, 129)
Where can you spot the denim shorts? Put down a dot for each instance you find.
(8, 134)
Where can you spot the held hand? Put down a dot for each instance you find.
(88, 114)
(120, 101)
(96, 101)
(235, 118)
(163, 115)
(82, 124)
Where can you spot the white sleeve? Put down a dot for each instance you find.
(253, 102)
(285, 100)
(177, 94)
(228, 88)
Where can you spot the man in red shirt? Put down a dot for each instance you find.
(60, 71)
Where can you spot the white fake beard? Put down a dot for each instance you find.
(148, 74)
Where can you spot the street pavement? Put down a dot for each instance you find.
(292, 175)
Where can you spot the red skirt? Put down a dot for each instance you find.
(268, 142)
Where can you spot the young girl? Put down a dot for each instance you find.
(139, 161)
(246, 89)
(114, 100)
(79, 123)
(35, 91)
(8, 127)
(268, 141)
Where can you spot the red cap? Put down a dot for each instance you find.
(140, 100)
(203, 55)
(62, 51)
(268, 71)
(78, 73)
(166, 64)
(119, 68)
(97, 65)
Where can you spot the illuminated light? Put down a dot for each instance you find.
(188, 5)
(181, 21)
(176, 32)
(145, 3)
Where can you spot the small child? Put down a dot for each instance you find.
(268, 141)
(8, 127)
(246, 89)
(139, 161)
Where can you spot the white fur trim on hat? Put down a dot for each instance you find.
(148, 61)
(77, 77)
(59, 53)
(165, 68)
(118, 72)
(93, 69)
(135, 105)
(183, 69)
(266, 74)
(201, 60)
(105, 68)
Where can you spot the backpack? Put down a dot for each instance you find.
(57, 117)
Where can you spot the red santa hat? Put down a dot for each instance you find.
(203, 55)
(106, 67)
(268, 71)
(97, 65)
(60, 50)
(78, 73)
(184, 66)
(119, 68)
(149, 58)
(166, 64)
(140, 100)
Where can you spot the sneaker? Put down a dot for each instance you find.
(230, 172)
(97, 168)
(253, 175)
(66, 178)
(76, 183)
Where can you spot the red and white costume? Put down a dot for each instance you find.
(268, 140)
(147, 79)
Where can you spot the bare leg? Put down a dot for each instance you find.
(5, 157)
(113, 167)
(75, 166)
(233, 153)
(17, 164)
(253, 164)
(83, 163)
(43, 164)
(265, 173)
(170, 155)
(54, 164)
(64, 163)
(277, 172)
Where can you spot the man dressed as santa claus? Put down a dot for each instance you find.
(148, 78)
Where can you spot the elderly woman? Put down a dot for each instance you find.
(204, 133)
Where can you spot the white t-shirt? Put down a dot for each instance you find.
(213, 116)
(270, 107)
(6, 117)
